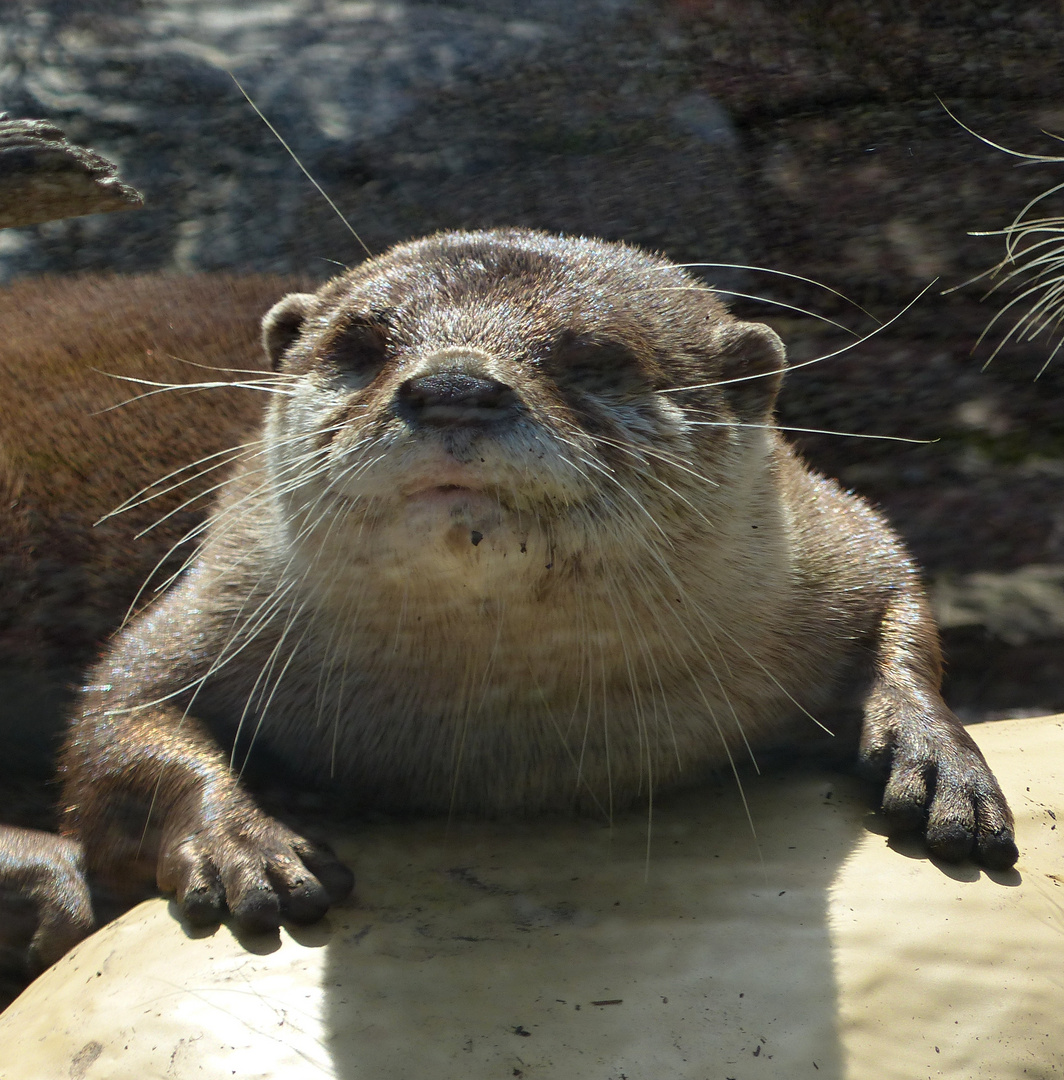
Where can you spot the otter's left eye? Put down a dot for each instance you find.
(594, 364)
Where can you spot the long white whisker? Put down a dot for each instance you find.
(266, 385)
(135, 500)
(778, 273)
(804, 363)
(657, 479)
(306, 173)
(1044, 158)
(807, 431)
(762, 300)
(263, 709)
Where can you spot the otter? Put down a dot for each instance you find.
(519, 535)
(73, 448)
(84, 425)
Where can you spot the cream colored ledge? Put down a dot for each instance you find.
(562, 949)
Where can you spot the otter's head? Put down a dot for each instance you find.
(511, 400)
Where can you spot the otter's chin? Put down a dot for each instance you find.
(458, 517)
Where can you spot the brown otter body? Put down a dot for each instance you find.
(520, 535)
(69, 568)
(69, 455)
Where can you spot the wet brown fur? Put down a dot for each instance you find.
(43, 897)
(66, 463)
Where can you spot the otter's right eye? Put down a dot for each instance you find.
(360, 347)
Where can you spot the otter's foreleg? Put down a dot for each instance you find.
(150, 785)
(936, 779)
(45, 906)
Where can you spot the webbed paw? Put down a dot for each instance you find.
(235, 858)
(936, 782)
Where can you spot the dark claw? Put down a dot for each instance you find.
(997, 852)
(306, 903)
(953, 844)
(258, 911)
(903, 817)
(204, 906)
(336, 878)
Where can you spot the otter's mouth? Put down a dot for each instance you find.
(444, 491)
(452, 498)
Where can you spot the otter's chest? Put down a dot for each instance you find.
(477, 713)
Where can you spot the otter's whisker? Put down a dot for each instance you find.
(777, 273)
(216, 522)
(321, 191)
(808, 431)
(605, 472)
(239, 453)
(170, 388)
(804, 363)
(666, 459)
(277, 376)
(229, 456)
(768, 300)
(265, 675)
(1047, 313)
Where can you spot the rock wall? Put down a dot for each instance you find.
(807, 137)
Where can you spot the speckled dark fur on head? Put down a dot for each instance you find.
(520, 534)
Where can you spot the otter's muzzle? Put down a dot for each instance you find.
(454, 399)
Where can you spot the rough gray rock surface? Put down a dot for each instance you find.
(43, 177)
(802, 136)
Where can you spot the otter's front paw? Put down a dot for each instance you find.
(938, 783)
(45, 907)
(236, 858)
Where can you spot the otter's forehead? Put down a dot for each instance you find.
(510, 288)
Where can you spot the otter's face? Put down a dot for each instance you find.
(510, 394)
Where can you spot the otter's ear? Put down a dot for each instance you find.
(282, 323)
(752, 365)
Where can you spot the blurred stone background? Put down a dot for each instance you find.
(804, 136)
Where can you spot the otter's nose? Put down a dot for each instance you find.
(453, 398)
